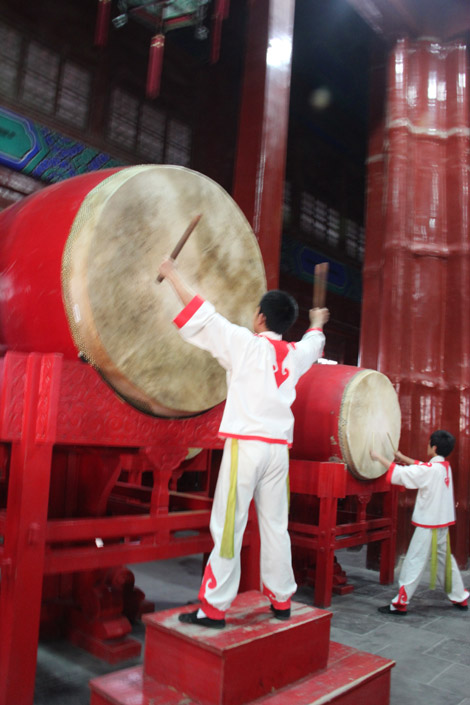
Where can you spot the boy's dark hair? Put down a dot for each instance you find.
(280, 309)
(444, 442)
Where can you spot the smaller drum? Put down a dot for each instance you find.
(341, 412)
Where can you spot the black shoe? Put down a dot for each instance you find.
(192, 618)
(387, 610)
(283, 615)
(461, 605)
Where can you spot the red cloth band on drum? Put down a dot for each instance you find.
(188, 311)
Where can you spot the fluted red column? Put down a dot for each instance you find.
(416, 326)
(262, 137)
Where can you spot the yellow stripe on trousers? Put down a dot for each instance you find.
(448, 572)
(227, 548)
(227, 545)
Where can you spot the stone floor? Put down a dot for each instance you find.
(430, 645)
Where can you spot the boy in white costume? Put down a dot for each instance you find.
(262, 373)
(433, 513)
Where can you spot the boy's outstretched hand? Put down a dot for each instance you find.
(380, 458)
(167, 266)
(318, 317)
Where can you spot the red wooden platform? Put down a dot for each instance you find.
(255, 658)
(213, 662)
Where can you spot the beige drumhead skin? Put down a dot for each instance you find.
(370, 416)
(121, 319)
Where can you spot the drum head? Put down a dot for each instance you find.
(121, 319)
(370, 417)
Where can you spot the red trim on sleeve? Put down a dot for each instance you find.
(388, 476)
(310, 330)
(188, 311)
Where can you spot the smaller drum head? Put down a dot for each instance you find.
(121, 319)
(369, 418)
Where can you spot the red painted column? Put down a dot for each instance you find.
(262, 140)
(416, 273)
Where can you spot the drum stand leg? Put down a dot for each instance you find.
(388, 546)
(325, 551)
(22, 559)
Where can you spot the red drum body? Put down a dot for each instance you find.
(78, 268)
(33, 235)
(341, 413)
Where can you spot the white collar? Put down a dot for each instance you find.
(270, 334)
(438, 459)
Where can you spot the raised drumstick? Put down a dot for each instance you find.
(182, 241)
(391, 443)
(320, 279)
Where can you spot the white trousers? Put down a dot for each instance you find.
(262, 474)
(416, 561)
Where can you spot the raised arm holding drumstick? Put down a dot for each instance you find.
(257, 423)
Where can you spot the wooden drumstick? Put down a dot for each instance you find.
(182, 241)
(391, 442)
(320, 279)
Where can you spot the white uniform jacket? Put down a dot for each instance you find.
(262, 371)
(434, 507)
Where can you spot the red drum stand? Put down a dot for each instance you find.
(320, 526)
(65, 439)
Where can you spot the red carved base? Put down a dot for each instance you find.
(112, 651)
(306, 572)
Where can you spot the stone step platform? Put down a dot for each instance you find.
(253, 655)
(351, 677)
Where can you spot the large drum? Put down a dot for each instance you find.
(341, 412)
(79, 262)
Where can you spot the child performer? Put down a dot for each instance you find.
(262, 373)
(433, 513)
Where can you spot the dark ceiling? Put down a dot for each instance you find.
(443, 19)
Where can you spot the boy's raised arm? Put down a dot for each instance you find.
(380, 458)
(386, 463)
(404, 459)
(318, 317)
(168, 271)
